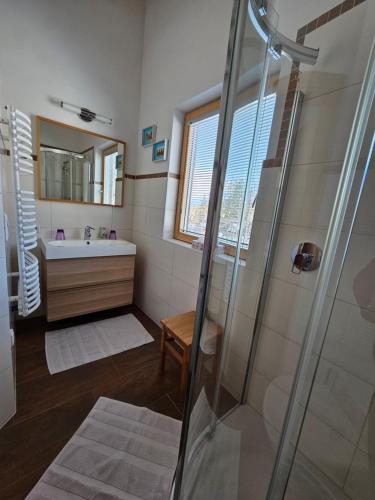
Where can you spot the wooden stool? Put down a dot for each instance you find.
(177, 335)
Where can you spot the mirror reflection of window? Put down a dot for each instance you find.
(109, 174)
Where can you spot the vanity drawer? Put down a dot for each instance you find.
(76, 301)
(71, 273)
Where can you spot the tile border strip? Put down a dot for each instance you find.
(313, 25)
(156, 175)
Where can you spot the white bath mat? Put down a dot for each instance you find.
(119, 452)
(82, 344)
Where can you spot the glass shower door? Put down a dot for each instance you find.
(334, 448)
(255, 76)
(253, 360)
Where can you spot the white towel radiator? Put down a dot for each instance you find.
(26, 231)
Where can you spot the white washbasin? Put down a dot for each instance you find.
(73, 249)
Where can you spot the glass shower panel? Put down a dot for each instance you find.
(336, 451)
(257, 83)
(256, 307)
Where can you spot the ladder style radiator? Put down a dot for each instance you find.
(26, 231)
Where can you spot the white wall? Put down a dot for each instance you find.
(88, 53)
(185, 47)
(7, 390)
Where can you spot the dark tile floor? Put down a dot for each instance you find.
(51, 407)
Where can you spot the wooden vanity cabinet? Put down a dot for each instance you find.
(72, 287)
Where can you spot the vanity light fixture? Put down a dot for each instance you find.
(85, 114)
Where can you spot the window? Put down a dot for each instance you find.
(197, 162)
(109, 174)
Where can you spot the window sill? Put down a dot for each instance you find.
(218, 258)
(182, 244)
(228, 258)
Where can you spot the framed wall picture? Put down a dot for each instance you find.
(148, 136)
(160, 150)
(119, 162)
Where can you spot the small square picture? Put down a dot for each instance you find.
(160, 150)
(119, 161)
(148, 136)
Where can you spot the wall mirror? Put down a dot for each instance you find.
(79, 166)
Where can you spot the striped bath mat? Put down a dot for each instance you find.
(77, 345)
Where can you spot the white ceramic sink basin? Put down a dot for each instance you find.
(73, 249)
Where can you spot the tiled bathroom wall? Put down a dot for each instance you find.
(174, 71)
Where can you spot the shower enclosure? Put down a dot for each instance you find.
(66, 175)
(282, 376)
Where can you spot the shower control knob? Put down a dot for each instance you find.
(305, 257)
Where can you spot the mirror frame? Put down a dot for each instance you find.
(38, 120)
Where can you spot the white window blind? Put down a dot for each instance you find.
(199, 166)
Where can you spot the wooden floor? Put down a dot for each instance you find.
(51, 407)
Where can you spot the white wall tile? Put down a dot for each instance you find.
(155, 222)
(360, 484)
(169, 221)
(160, 253)
(140, 192)
(156, 190)
(44, 213)
(9, 208)
(356, 283)
(344, 45)
(8, 401)
(5, 341)
(125, 234)
(234, 373)
(7, 178)
(365, 218)
(153, 306)
(258, 246)
(367, 441)
(241, 334)
(183, 296)
(327, 449)
(247, 291)
(267, 191)
(139, 219)
(171, 196)
(122, 218)
(157, 281)
(2, 230)
(325, 126)
(150, 192)
(268, 400)
(277, 358)
(4, 300)
(341, 400)
(349, 341)
(187, 264)
(310, 195)
(287, 309)
(72, 215)
(129, 191)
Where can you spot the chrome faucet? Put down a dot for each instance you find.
(88, 230)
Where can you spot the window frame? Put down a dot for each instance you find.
(198, 113)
